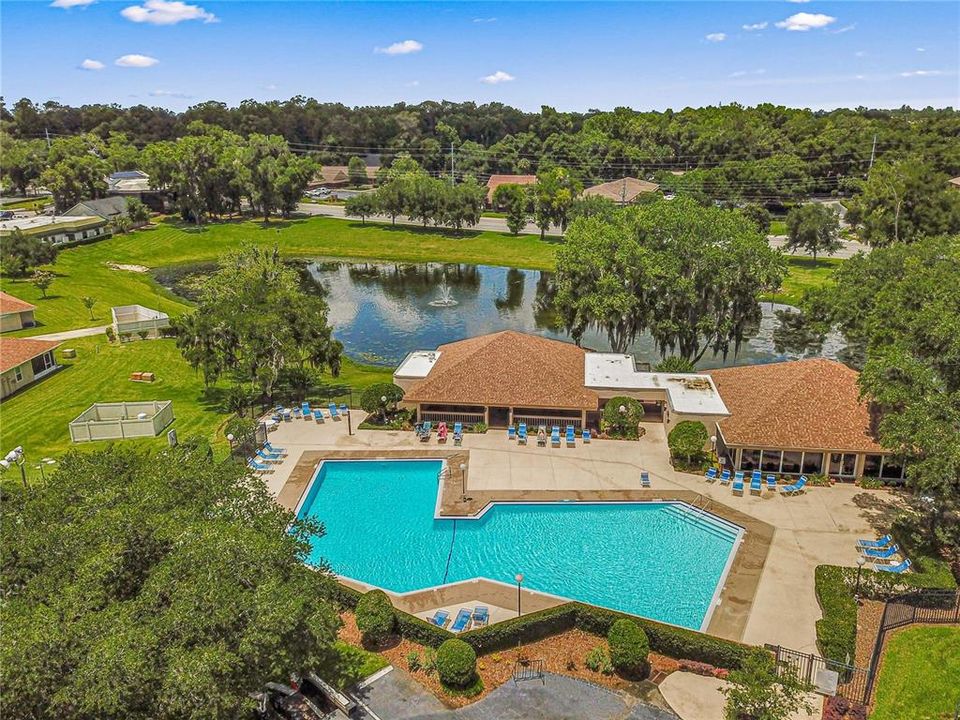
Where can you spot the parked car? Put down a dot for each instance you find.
(6, 215)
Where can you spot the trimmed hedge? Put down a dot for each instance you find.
(420, 631)
(522, 630)
(629, 648)
(376, 617)
(456, 663)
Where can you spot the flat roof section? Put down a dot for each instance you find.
(689, 393)
(417, 364)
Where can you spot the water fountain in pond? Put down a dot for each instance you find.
(446, 295)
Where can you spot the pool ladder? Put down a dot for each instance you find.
(701, 510)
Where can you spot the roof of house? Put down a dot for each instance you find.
(9, 304)
(624, 190)
(107, 208)
(496, 181)
(17, 351)
(509, 369)
(341, 173)
(802, 404)
(955, 181)
(128, 175)
(48, 224)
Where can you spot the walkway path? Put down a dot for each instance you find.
(397, 696)
(695, 697)
(495, 224)
(72, 334)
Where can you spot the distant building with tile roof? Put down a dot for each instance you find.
(955, 182)
(24, 361)
(109, 208)
(15, 314)
(495, 181)
(622, 191)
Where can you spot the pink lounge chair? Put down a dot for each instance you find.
(442, 432)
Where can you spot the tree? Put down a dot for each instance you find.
(76, 170)
(813, 227)
(20, 253)
(591, 206)
(253, 320)
(687, 439)
(42, 280)
(759, 215)
(362, 205)
(674, 364)
(689, 275)
(173, 588)
(553, 196)
(277, 178)
(629, 648)
(622, 414)
(375, 617)
(22, 162)
(357, 171)
(903, 201)
(392, 197)
(138, 213)
(379, 396)
(757, 692)
(121, 224)
(462, 203)
(515, 202)
(88, 303)
(426, 199)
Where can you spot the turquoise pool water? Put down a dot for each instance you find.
(658, 560)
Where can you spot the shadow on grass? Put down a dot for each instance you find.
(808, 263)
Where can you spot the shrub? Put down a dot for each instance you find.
(479, 428)
(837, 629)
(687, 439)
(375, 618)
(622, 424)
(111, 336)
(371, 398)
(143, 334)
(413, 660)
(675, 364)
(419, 630)
(629, 648)
(522, 630)
(598, 660)
(456, 663)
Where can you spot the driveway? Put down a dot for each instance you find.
(72, 334)
(397, 696)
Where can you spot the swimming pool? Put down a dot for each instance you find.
(660, 560)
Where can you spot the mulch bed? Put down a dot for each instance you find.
(562, 654)
(869, 615)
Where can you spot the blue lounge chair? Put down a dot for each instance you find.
(511, 433)
(287, 415)
(267, 457)
(481, 615)
(318, 415)
(334, 415)
(275, 450)
(259, 467)
(644, 479)
(344, 410)
(425, 431)
(440, 618)
(771, 483)
(710, 474)
(585, 435)
(522, 434)
(297, 413)
(756, 485)
(555, 436)
(881, 554)
(463, 620)
(457, 433)
(305, 409)
(900, 568)
(725, 477)
(797, 487)
(738, 483)
(882, 542)
(571, 436)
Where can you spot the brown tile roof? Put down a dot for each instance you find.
(17, 351)
(507, 369)
(803, 404)
(496, 181)
(625, 190)
(340, 173)
(9, 304)
(955, 181)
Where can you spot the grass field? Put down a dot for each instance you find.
(778, 227)
(919, 675)
(27, 203)
(803, 274)
(37, 418)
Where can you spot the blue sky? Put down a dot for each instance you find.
(573, 56)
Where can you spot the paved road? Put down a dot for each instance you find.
(72, 334)
(493, 224)
(396, 696)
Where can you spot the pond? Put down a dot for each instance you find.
(381, 311)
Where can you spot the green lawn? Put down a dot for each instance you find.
(778, 227)
(919, 675)
(28, 203)
(803, 274)
(353, 664)
(37, 418)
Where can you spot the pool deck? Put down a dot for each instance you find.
(770, 580)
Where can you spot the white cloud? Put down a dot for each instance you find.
(170, 94)
(166, 12)
(136, 61)
(67, 4)
(755, 26)
(921, 49)
(271, 86)
(798, 1)
(498, 77)
(413, 83)
(922, 73)
(716, 37)
(860, 53)
(844, 29)
(801, 22)
(485, 20)
(89, 64)
(400, 48)
(745, 73)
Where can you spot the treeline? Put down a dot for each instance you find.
(763, 153)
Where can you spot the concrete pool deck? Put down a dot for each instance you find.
(797, 533)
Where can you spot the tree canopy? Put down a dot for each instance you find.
(813, 227)
(154, 586)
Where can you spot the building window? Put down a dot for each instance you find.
(749, 459)
(871, 465)
(843, 464)
(812, 463)
(770, 461)
(42, 362)
(892, 468)
(18, 374)
(792, 462)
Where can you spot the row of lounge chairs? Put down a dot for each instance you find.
(265, 457)
(884, 549)
(425, 429)
(281, 413)
(520, 434)
(756, 482)
(464, 620)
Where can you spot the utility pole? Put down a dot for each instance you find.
(451, 163)
(873, 153)
(47, 134)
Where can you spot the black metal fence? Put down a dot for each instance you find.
(245, 447)
(852, 682)
(530, 670)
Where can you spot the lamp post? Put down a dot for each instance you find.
(463, 481)
(861, 561)
(349, 421)
(519, 579)
(383, 406)
(15, 457)
(44, 461)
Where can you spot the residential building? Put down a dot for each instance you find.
(339, 176)
(623, 191)
(108, 208)
(955, 182)
(136, 184)
(15, 314)
(496, 181)
(24, 361)
(58, 229)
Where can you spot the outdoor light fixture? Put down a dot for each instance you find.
(861, 561)
(463, 481)
(519, 579)
(15, 457)
(622, 409)
(44, 461)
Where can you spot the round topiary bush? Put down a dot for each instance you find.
(375, 618)
(622, 424)
(456, 663)
(688, 439)
(629, 648)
